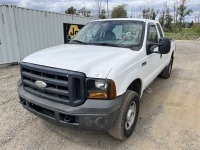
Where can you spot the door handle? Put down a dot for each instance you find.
(144, 63)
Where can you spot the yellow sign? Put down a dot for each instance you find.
(73, 30)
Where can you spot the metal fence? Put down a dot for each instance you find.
(24, 31)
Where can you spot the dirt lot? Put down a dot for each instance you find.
(169, 116)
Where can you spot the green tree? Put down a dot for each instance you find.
(192, 23)
(98, 5)
(148, 13)
(71, 10)
(168, 20)
(102, 14)
(119, 11)
(84, 12)
(153, 14)
(165, 18)
(183, 12)
(162, 20)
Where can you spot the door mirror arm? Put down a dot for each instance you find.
(154, 46)
(151, 46)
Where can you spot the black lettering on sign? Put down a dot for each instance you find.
(73, 30)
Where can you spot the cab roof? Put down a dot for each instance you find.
(134, 19)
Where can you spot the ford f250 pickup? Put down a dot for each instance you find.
(96, 80)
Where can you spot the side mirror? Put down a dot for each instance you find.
(68, 38)
(164, 45)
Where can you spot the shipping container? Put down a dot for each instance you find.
(24, 31)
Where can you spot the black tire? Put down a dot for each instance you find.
(119, 130)
(167, 70)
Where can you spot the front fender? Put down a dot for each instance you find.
(124, 76)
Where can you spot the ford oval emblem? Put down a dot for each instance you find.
(40, 84)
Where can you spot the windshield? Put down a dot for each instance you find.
(111, 33)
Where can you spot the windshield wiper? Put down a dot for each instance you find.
(103, 44)
(108, 44)
(77, 41)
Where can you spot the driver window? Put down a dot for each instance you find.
(152, 34)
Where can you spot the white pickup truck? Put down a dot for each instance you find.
(96, 80)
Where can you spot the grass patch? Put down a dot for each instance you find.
(183, 36)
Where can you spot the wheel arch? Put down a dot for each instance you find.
(136, 86)
(172, 56)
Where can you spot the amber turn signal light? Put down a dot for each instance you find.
(112, 92)
(109, 93)
(98, 95)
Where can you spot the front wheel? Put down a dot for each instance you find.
(127, 117)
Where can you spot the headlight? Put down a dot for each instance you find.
(101, 88)
(101, 84)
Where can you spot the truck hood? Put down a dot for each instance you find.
(94, 61)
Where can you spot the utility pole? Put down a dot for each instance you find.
(107, 9)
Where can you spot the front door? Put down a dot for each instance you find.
(152, 61)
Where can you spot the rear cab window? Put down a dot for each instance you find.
(159, 30)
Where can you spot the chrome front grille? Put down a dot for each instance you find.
(63, 86)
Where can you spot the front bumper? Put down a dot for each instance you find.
(94, 114)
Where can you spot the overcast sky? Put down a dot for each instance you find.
(135, 5)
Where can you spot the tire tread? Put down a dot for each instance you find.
(117, 130)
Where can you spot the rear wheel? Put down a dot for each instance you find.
(167, 70)
(127, 117)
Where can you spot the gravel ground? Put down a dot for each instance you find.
(169, 116)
